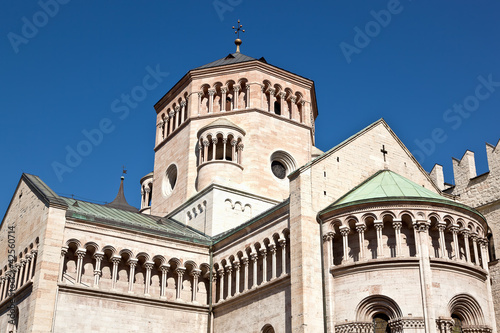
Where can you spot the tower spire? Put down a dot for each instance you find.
(238, 40)
(120, 202)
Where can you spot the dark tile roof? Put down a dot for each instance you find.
(232, 58)
(115, 216)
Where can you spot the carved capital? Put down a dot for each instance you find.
(422, 225)
(149, 265)
(80, 253)
(211, 92)
(171, 114)
(200, 94)
(99, 273)
(441, 226)
(183, 103)
(229, 269)
(177, 108)
(282, 242)
(116, 260)
(271, 91)
(240, 146)
(360, 227)
(253, 256)
(206, 143)
(223, 90)
(132, 262)
(236, 88)
(220, 272)
(180, 271)
(282, 95)
(272, 248)
(263, 252)
(293, 99)
(195, 273)
(328, 236)
(344, 231)
(64, 250)
(164, 268)
(244, 260)
(214, 141)
(454, 228)
(233, 142)
(397, 225)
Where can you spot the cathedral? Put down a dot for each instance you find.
(240, 230)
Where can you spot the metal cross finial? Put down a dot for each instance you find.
(384, 151)
(238, 28)
(124, 172)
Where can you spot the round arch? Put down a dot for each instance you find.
(375, 304)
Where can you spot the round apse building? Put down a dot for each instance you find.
(398, 257)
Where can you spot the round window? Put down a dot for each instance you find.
(282, 164)
(170, 180)
(279, 170)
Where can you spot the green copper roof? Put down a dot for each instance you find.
(387, 184)
(134, 221)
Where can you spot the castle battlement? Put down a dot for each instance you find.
(468, 185)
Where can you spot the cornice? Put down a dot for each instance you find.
(131, 298)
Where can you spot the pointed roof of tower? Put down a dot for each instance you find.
(120, 202)
(232, 58)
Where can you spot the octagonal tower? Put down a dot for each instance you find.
(227, 135)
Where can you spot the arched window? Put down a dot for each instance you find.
(277, 108)
(381, 323)
(457, 324)
(267, 329)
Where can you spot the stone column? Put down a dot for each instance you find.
(456, 248)
(262, 94)
(80, 254)
(2, 286)
(483, 243)
(115, 260)
(195, 273)
(214, 149)
(164, 270)
(345, 243)
(282, 243)
(147, 281)
(283, 105)
(271, 99)
(180, 272)
(229, 270)
(244, 260)
(211, 93)
(171, 118)
(474, 247)
(131, 274)
(248, 96)
(224, 142)
(27, 267)
(236, 266)
(302, 112)
(177, 117)
(33, 263)
(466, 234)
(200, 95)
(20, 272)
(293, 108)
(442, 244)
(64, 250)
(360, 228)
(272, 249)
(254, 257)
(379, 225)
(426, 275)
(183, 112)
(397, 224)
(328, 244)
(236, 89)
(263, 253)
(233, 151)
(205, 150)
(221, 284)
(240, 153)
(223, 99)
(98, 256)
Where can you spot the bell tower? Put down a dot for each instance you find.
(227, 135)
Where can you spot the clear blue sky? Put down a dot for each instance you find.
(60, 73)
